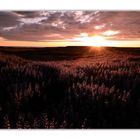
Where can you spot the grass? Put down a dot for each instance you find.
(72, 87)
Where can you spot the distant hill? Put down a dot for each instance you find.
(63, 53)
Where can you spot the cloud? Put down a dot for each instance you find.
(27, 14)
(8, 19)
(110, 33)
(65, 25)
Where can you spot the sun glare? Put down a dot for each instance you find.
(94, 40)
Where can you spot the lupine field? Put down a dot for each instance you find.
(71, 87)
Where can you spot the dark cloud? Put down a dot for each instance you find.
(8, 19)
(59, 25)
(27, 14)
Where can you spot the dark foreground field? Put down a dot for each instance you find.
(71, 87)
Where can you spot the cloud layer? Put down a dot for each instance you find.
(66, 25)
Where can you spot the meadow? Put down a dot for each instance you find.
(69, 87)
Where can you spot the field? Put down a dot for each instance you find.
(69, 87)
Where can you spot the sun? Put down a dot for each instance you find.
(93, 40)
(96, 41)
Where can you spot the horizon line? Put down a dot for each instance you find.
(67, 46)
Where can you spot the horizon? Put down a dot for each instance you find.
(134, 47)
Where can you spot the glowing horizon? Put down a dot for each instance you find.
(109, 43)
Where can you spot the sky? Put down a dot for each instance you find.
(67, 28)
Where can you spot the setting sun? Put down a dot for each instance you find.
(94, 41)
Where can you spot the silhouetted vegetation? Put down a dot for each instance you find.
(88, 88)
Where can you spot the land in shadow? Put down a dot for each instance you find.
(69, 87)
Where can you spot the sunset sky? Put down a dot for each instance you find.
(65, 28)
